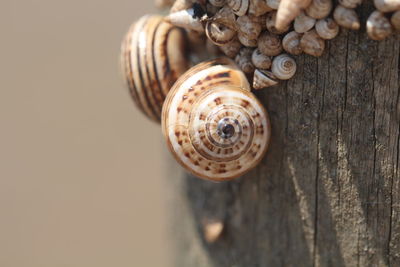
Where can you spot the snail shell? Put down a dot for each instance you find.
(312, 44)
(263, 79)
(260, 61)
(239, 7)
(396, 20)
(288, 11)
(269, 44)
(213, 125)
(327, 28)
(258, 7)
(283, 67)
(378, 26)
(231, 49)
(217, 3)
(387, 5)
(249, 26)
(303, 23)
(291, 43)
(226, 17)
(243, 60)
(346, 17)
(218, 33)
(319, 9)
(152, 58)
(188, 18)
(350, 3)
(244, 39)
(274, 4)
(270, 23)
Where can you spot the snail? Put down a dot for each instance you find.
(152, 58)
(269, 44)
(319, 9)
(283, 67)
(239, 7)
(213, 125)
(303, 23)
(327, 28)
(378, 26)
(312, 44)
(288, 11)
(291, 43)
(346, 17)
(263, 79)
(387, 5)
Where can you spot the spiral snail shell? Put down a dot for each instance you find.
(213, 125)
(152, 58)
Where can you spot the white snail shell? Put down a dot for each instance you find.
(291, 43)
(219, 34)
(249, 26)
(263, 79)
(243, 59)
(239, 7)
(327, 28)
(350, 3)
(288, 11)
(269, 44)
(260, 61)
(217, 3)
(258, 7)
(378, 26)
(187, 19)
(303, 23)
(244, 39)
(312, 44)
(395, 20)
(346, 17)
(283, 67)
(152, 58)
(231, 49)
(213, 125)
(271, 21)
(319, 9)
(387, 5)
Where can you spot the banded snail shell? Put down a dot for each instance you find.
(152, 58)
(213, 125)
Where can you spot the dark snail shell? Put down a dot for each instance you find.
(213, 125)
(152, 58)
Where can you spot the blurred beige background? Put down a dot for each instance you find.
(81, 171)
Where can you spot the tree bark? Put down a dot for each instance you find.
(328, 191)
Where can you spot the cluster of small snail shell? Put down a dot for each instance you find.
(213, 125)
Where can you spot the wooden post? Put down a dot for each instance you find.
(328, 191)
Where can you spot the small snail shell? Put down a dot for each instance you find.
(319, 9)
(269, 44)
(283, 67)
(182, 5)
(396, 20)
(213, 125)
(188, 19)
(270, 23)
(350, 3)
(218, 33)
(246, 41)
(387, 5)
(239, 7)
(291, 43)
(263, 79)
(274, 4)
(312, 44)
(378, 26)
(346, 17)
(249, 26)
(260, 61)
(258, 7)
(231, 49)
(226, 17)
(288, 11)
(217, 3)
(152, 58)
(327, 28)
(211, 10)
(303, 23)
(243, 60)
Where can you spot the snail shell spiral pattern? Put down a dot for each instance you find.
(214, 126)
(152, 58)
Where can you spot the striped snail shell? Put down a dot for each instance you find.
(152, 58)
(213, 125)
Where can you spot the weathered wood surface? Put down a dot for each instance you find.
(328, 191)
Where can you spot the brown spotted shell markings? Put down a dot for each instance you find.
(152, 58)
(214, 126)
